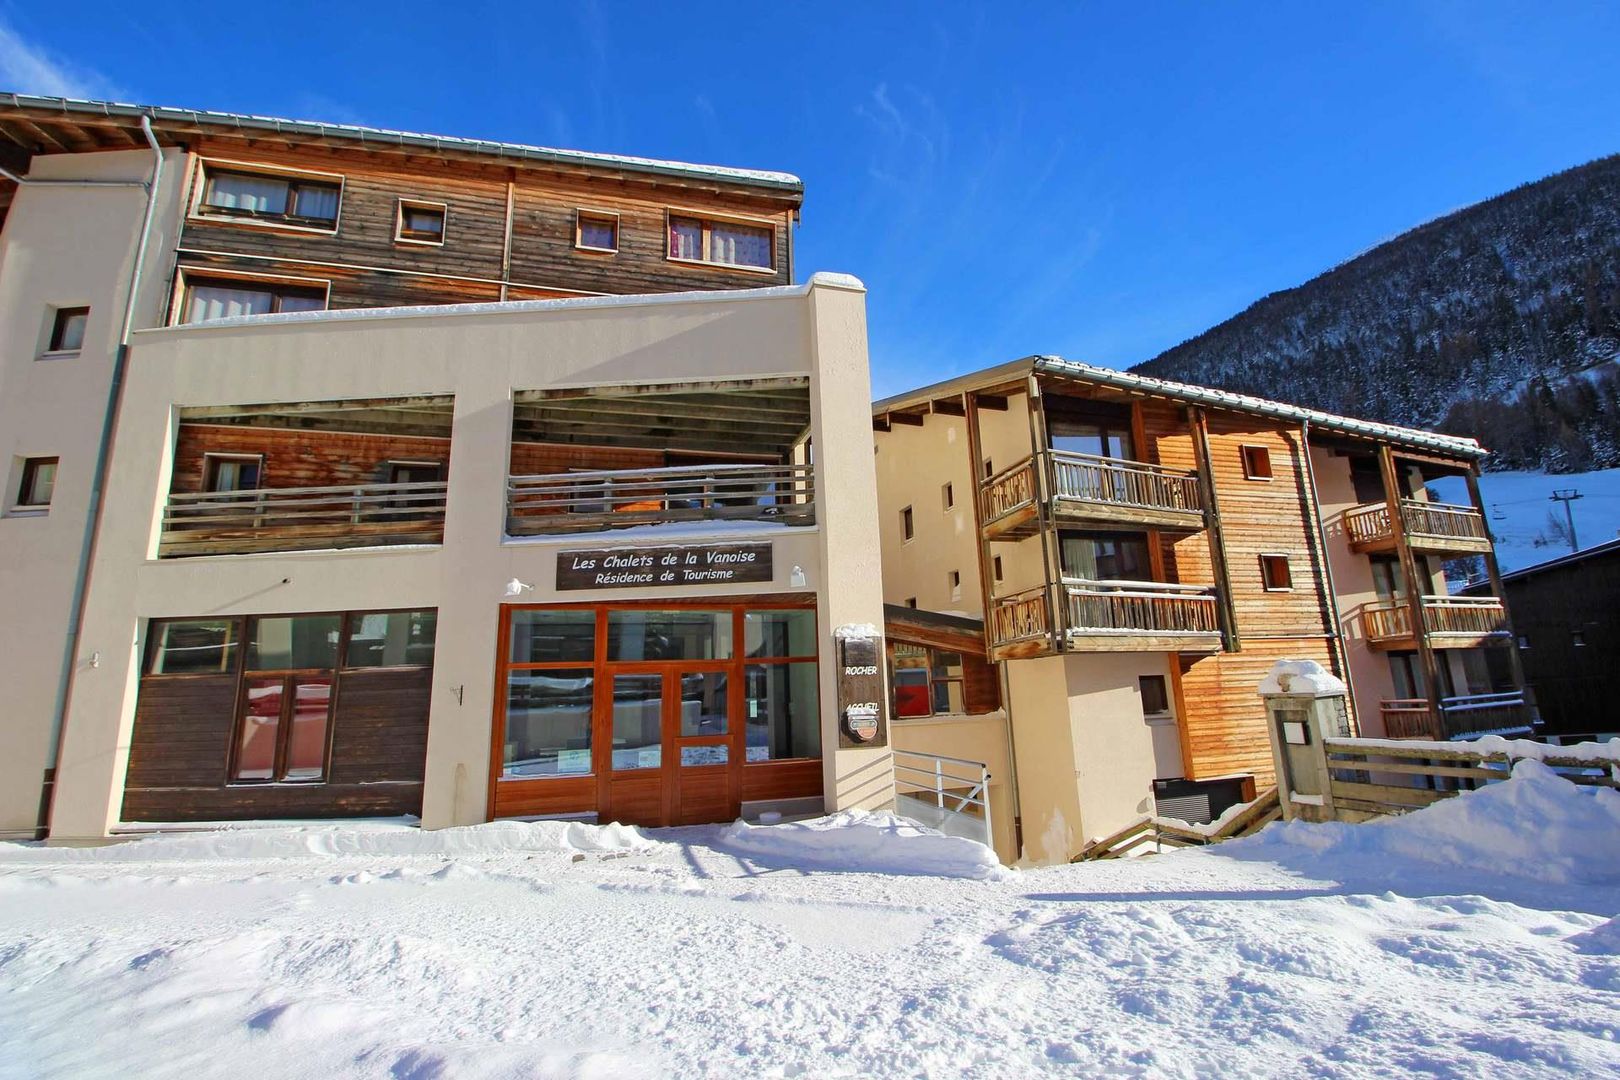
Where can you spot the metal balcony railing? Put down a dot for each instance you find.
(1460, 716)
(619, 498)
(302, 518)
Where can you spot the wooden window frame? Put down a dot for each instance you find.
(53, 342)
(1275, 558)
(239, 671)
(25, 481)
(947, 493)
(188, 277)
(210, 457)
(200, 210)
(708, 219)
(908, 525)
(584, 212)
(403, 204)
(1263, 472)
(929, 652)
(996, 569)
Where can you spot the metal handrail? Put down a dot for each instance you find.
(933, 770)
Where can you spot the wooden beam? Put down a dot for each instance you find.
(1416, 586)
(428, 402)
(949, 407)
(880, 423)
(993, 402)
(799, 383)
(1057, 616)
(912, 419)
(1215, 533)
(981, 543)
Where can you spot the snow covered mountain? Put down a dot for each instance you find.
(1500, 321)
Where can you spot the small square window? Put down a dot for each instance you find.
(996, 563)
(911, 602)
(1256, 463)
(948, 493)
(38, 483)
(421, 222)
(956, 584)
(989, 469)
(596, 231)
(1524, 641)
(1276, 573)
(67, 329)
(1577, 638)
(1155, 696)
(906, 531)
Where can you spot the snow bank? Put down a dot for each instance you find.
(350, 839)
(863, 841)
(1534, 824)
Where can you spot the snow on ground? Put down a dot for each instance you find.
(1517, 505)
(1411, 947)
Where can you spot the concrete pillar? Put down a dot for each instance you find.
(1305, 705)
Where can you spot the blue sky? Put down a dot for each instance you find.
(1096, 180)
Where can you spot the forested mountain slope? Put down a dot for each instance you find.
(1500, 321)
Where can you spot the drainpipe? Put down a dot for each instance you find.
(109, 429)
(1335, 636)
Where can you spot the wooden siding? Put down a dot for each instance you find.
(1223, 717)
(368, 267)
(180, 752)
(300, 458)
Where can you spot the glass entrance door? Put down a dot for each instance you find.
(702, 750)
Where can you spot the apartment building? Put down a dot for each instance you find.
(1122, 559)
(361, 472)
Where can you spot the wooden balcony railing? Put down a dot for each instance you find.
(1021, 617)
(1139, 607)
(1440, 526)
(301, 519)
(619, 498)
(1087, 478)
(1387, 621)
(1467, 714)
(1108, 488)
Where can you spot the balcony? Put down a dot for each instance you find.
(1430, 527)
(302, 518)
(1106, 616)
(1459, 717)
(620, 498)
(1454, 622)
(1089, 490)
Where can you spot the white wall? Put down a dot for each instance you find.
(480, 358)
(61, 247)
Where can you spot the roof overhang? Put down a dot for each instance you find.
(47, 125)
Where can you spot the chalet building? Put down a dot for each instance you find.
(1121, 559)
(357, 472)
(1566, 613)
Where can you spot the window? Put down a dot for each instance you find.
(926, 681)
(415, 472)
(680, 634)
(989, 468)
(906, 531)
(278, 198)
(724, 243)
(996, 565)
(1577, 638)
(38, 483)
(1389, 582)
(955, 580)
(1155, 696)
(1104, 556)
(420, 222)
(949, 494)
(67, 329)
(1256, 463)
(193, 647)
(232, 472)
(224, 298)
(1099, 438)
(1276, 573)
(596, 231)
(911, 602)
(1524, 641)
(387, 639)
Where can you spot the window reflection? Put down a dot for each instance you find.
(548, 723)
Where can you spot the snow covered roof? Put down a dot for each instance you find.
(387, 138)
(1202, 395)
(1609, 547)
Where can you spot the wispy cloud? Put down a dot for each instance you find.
(28, 68)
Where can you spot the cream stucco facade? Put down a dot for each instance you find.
(65, 245)
(481, 356)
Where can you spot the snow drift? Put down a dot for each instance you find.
(1535, 824)
(865, 841)
(352, 838)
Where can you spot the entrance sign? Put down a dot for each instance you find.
(658, 567)
(861, 710)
